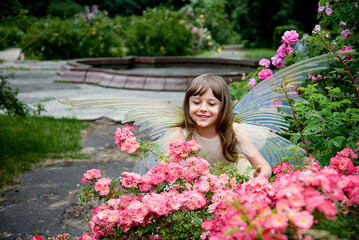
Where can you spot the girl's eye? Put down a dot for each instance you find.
(196, 103)
(212, 104)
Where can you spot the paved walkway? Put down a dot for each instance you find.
(46, 198)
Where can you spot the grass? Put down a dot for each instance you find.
(259, 53)
(25, 142)
(249, 53)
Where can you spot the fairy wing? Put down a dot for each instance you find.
(260, 105)
(150, 114)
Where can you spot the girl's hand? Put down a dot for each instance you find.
(258, 171)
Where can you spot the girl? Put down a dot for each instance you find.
(209, 119)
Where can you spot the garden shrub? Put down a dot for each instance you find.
(158, 32)
(63, 9)
(328, 109)
(88, 35)
(256, 20)
(9, 102)
(193, 200)
(211, 15)
(10, 36)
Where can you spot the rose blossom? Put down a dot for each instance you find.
(277, 61)
(317, 29)
(263, 74)
(345, 48)
(290, 37)
(264, 62)
(252, 82)
(345, 32)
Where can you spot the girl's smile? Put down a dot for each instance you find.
(204, 112)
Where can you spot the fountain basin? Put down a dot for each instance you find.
(152, 73)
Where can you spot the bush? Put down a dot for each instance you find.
(88, 35)
(211, 15)
(63, 9)
(159, 32)
(9, 102)
(9, 36)
(256, 20)
(328, 110)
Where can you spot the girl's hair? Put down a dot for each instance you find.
(224, 123)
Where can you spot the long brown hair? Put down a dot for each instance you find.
(224, 123)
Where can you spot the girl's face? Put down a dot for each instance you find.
(204, 110)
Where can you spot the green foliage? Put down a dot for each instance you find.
(327, 113)
(23, 143)
(238, 90)
(257, 20)
(13, 22)
(340, 126)
(63, 9)
(54, 38)
(9, 36)
(159, 32)
(211, 15)
(334, 95)
(9, 102)
(345, 226)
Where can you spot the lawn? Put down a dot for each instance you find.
(25, 142)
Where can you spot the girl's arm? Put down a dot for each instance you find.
(262, 167)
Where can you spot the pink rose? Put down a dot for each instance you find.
(345, 32)
(317, 28)
(290, 37)
(277, 61)
(263, 74)
(345, 48)
(264, 62)
(329, 11)
(283, 49)
(252, 82)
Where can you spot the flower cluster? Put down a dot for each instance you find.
(102, 186)
(291, 204)
(288, 38)
(91, 174)
(180, 149)
(168, 189)
(327, 9)
(125, 139)
(188, 201)
(65, 236)
(343, 163)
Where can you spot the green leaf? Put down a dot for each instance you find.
(338, 141)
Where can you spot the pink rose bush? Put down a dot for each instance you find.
(288, 38)
(191, 200)
(296, 201)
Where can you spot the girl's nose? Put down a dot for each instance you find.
(203, 107)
